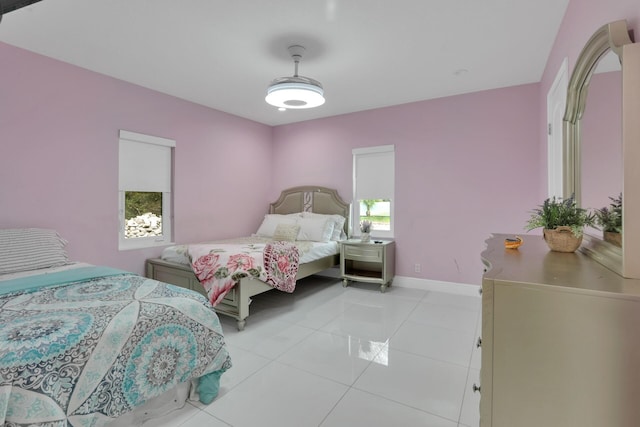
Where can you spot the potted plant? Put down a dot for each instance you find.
(365, 229)
(562, 222)
(609, 219)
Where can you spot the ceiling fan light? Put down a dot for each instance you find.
(295, 94)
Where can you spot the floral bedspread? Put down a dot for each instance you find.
(86, 352)
(220, 266)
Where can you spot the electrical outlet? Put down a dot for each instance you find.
(418, 268)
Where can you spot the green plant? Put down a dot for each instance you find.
(554, 213)
(369, 203)
(610, 217)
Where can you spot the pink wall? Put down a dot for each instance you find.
(59, 158)
(581, 20)
(466, 166)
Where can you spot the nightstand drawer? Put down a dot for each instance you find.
(363, 253)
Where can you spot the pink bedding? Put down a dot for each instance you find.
(219, 266)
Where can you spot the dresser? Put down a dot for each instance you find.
(368, 262)
(560, 340)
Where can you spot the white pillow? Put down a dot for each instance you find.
(338, 223)
(286, 232)
(271, 221)
(315, 229)
(23, 249)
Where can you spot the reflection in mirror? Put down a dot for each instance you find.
(599, 130)
(601, 137)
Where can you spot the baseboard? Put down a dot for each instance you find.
(423, 284)
(437, 286)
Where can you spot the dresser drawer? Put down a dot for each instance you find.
(368, 253)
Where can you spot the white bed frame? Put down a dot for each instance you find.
(236, 303)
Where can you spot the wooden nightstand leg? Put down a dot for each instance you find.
(383, 287)
(345, 283)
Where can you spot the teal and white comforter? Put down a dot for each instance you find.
(84, 346)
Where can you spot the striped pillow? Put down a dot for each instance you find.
(23, 249)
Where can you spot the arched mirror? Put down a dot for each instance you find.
(596, 136)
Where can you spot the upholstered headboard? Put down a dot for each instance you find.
(309, 198)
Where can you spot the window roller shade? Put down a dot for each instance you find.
(375, 175)
(145, 164)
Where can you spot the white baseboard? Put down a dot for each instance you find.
(422, 284)
(437, 286)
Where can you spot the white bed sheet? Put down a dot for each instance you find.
(317, 250)
(49, 270)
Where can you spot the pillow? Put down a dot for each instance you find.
(316, 229)
(23, 249)
(286, 232)
(271, 221)
(338, 223)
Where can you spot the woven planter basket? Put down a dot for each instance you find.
(561, 239)
(613, 238)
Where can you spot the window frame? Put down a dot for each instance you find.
(359, 153)
(167, 196)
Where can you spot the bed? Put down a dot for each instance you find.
(91, 345)
(306, 201)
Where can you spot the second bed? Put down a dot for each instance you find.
(306, 206)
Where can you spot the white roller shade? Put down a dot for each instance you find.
(145, 163)
(374, 172)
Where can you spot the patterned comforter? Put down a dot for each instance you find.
(79, 348)
(220, 266)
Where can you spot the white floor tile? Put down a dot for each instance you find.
(426, 384)
(318, 315)
(203, 419)
(452, 300)
(454, 318)
(361, 409)
(331, 356)
(334, 357)
(175, 418)
(434, 342)
(278, 395)
(372, 320)
(269, 338)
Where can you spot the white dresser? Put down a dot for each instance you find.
(560, 340)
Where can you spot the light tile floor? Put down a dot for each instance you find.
(347, 357)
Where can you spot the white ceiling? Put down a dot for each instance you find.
(367, 53)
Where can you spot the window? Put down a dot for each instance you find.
(145, 183)
(373, 184)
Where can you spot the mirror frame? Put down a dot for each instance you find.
(615, 37)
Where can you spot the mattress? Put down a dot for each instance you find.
(309, 251)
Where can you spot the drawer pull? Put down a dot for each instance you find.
(475, 388)
(479, 342)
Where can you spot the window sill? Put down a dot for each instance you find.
(129, 246)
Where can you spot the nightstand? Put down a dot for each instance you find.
(368, 262)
